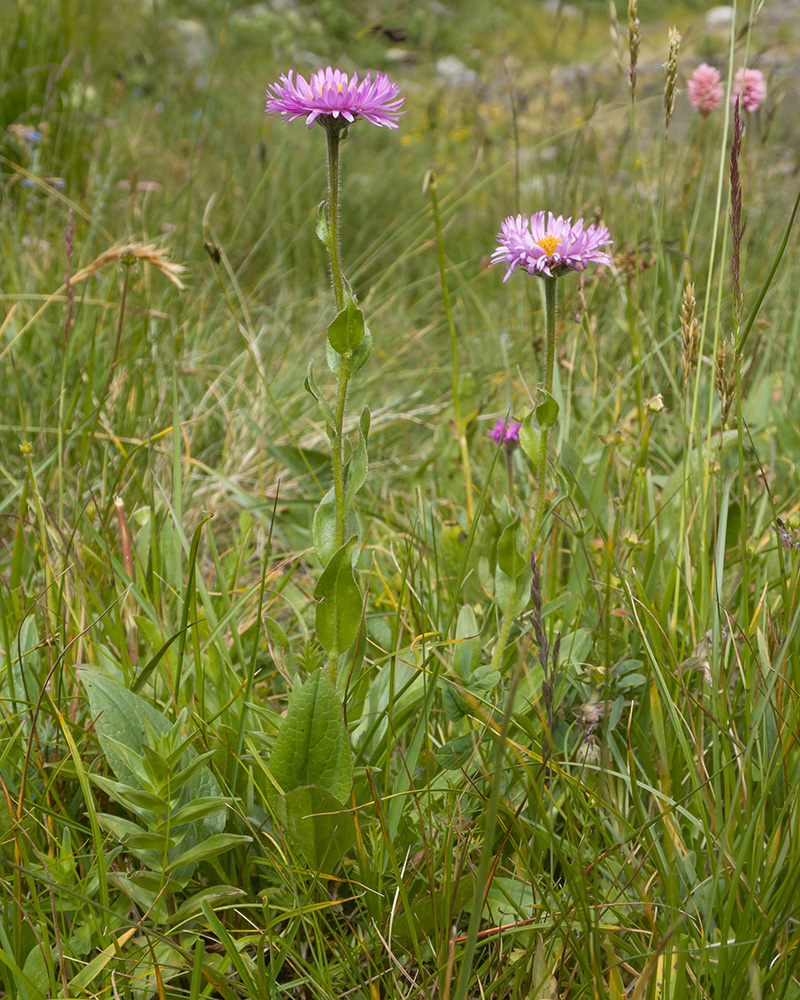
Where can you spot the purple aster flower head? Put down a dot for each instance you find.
(749, 86)
(335, 99)
(549, 245)
(705, 89)
(505, 432)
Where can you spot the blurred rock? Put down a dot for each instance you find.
(398, 55)
(455, 73)
(561, 9)
(719, 19)
(193, 38)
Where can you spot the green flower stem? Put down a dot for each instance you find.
(460, 423)
(338, 458)
(541, 472)
(505, 627)
(333, 132)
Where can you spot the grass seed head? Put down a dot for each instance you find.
(671, 75)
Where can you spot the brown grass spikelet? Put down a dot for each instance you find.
(671, 76)
(129, 253)
(634, 40)
(629, 263)
(690, 332)
(725, 382)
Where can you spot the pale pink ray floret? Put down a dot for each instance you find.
(331, 93)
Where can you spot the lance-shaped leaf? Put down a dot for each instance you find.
(323, 527)
(339, 601)
(530, 438)
(312, 746)
(323, 229)
(318, 824)
(509, 558)
(324, 406)
(358, 468)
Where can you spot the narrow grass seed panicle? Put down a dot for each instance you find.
(549, 245)
(336, 99)
(671, 76)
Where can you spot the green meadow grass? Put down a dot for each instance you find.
(625, 825)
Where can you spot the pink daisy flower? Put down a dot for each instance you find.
(705, 89)
(334, 97)
(749, 86)
(549, 245)
(505, 432)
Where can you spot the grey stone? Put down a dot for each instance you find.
(455, 73)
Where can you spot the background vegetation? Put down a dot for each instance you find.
(161, 463)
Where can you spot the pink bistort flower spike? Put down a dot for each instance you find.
(336, 98)
(749, 86)
(705, 89)
(549, 245)
(505, 432)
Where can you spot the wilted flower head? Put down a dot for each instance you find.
(705, 89)
(549, 245)
(335, 98)
(750, 88)
(505, 432)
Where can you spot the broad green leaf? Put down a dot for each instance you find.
(213, 894)
(198, 809)
(360, 355)
(339, 601)
(35, 971)
(509, 558)
(467, 651)
(312, 747)
(318, 824)
(346, 331)
(323, 527)
(454, 703)
(458, 752)
(547, 410)
(530, 438)
(150, 842)
(122, 721)
(484, 679)
(210, 848)
(119, 717)
(504, 587)
(130, 796)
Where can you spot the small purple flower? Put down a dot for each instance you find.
(549, 245)
(331, 95)
(749, 86)
(505, 432)
(705, 89)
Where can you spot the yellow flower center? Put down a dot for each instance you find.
(549, 244)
